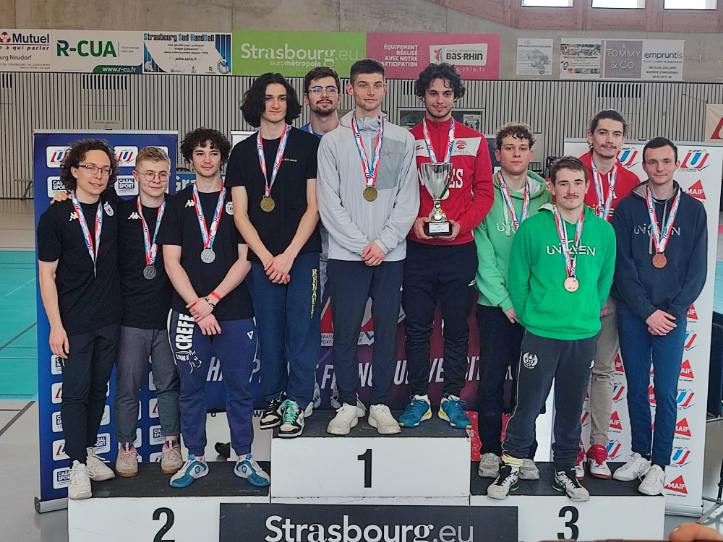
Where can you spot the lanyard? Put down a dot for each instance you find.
(508, 201)
(570, 259)
(149, 245)
(604, 203)
(277, 160)
(93, 246)
(370, 170)
(661, 238)
(208, 235)
(428, 141)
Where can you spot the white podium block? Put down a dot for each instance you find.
(615, 509)
(431, 460)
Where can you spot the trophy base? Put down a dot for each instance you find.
(438, 229)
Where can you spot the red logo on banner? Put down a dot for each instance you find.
(618, 392)
(696, 190)
(682, 429)
(689, 340)
(585, 418)
(619, 368)
(677, 486)
(718, 131)
(692, 313)
(651, 395)
(686, 372)
(695, 160)
(615, 424)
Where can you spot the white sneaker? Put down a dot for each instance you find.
(653, 481)
(597, 459)
(347, 416)
(489, 465)
(528, 470)
(635, 467)
(309, 410)
(567, 482)
(126, 464)
(505, 482)
(381, 418)
(79, 487)
(171, 460)
(98, 470)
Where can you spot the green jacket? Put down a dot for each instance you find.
(493, 238)
(537, 273)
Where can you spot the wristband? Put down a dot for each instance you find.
(214, 294)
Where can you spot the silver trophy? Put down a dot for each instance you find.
(436, 177)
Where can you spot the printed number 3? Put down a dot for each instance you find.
(166, 527)
(570, 524)
(367, 458)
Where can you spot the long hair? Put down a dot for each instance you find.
(254, 100)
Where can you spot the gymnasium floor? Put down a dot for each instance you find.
(18, 377)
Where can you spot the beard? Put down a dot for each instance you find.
(323, 110)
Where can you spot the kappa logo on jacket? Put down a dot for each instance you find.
(189, 203)
(134, 216)
(529, 360)
(73, 216)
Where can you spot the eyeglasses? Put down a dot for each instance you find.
(319, 89)
(149, 175)
(93, 169)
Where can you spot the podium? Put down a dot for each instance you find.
(419, 485)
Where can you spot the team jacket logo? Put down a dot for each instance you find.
(529, 360)
(686, 372)
(692, 313)
(615, 424)
(134, 216)
(108, 209)
(695, 160)
(229, 208)
(628, 157)
(54, 155)
(614, 448)
(677, 486)
(682, 429)
(685, 399)
(696, 190)
(189, 203)
(618, 392)
(73, 216)
(680, 456)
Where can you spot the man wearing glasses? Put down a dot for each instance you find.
(146, 302)
(80, 288)
(321, 94)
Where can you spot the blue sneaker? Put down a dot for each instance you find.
(452, 410)
(416, 412)
(192, 469)
(247, 467)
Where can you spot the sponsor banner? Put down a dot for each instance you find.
(354, 523)
(662, 60)
(534, 56)
(714, 122)
(48, 151)
(295, 53)
(580, 58)
(404, 55)
(25, 50)
(193, 53)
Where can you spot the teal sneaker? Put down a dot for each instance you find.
(247, 467)
(452, 410)
(192, 469)
(292, 420)
(416, 412)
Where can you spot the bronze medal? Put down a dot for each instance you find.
(267, 204)
(659, 260)
(370, 193)
(571, 284)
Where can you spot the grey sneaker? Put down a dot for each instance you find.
(489, 465)
(171, 460)
(79, 487)
(126, 464)
(98, 470)
(505, 482)
(567, 482)
(528, 470)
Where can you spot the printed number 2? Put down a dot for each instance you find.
(570, 524)
(367, 458)
(166, 527)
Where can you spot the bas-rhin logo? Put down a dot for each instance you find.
(615, 424)
(463, 54)
(619, 367)
(628, 157)
(696, 190)
(680, 456)
(682, 429)
(651, 395)
(692, 313)
(56, 393)
(695, 160)
(685, 399)
(677, 486)
(61, 478)
(618, 392)
(690, 340)
(54, 155)
(614, 448)
(59, 450)
(686, 372)
(126, 155)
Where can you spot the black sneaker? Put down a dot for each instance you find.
(292, 420)
(567, 482)
(505, 482)
(273, 413)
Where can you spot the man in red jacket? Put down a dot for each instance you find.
(610, 182)
(441, 269)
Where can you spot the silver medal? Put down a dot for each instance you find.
(149, 272)
(208, 255)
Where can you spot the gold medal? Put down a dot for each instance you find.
(571, 284)
(267, 204)
(370, 193)
(659, 260)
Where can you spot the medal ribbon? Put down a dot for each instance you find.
(660, 239)
(277, 160)
(570, 259)
(92, 246)
(604, 203)
(428, 141)
(208, 235)
(370, 170)
(508, 201)
(150, 246)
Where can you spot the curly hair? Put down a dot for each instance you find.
(200, 137)
(76, 154)
(444, 71)
(516, 130)
(254, 100)
(567, 162)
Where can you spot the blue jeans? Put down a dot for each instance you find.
(639, 349)
(288, 319)
(192, 350)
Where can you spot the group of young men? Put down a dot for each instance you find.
(241, 258)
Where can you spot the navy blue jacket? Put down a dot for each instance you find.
(637, 282)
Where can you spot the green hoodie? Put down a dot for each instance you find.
(493, 238)
(537, 273)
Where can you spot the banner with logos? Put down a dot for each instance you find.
(190, 53)
(48, 152)
(534, 56)
(714, 122)
(701, 166)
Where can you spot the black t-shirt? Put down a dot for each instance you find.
(277, 228)
(87, 301)
(180, 227)
(145, 302)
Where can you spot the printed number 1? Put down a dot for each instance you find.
(166, 527)
(570, 524)
(367, 458)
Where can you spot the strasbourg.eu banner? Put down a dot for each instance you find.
(699, 175)
(49, 150)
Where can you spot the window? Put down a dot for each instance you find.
(547, 3)
(691, 4)
(620, 4)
